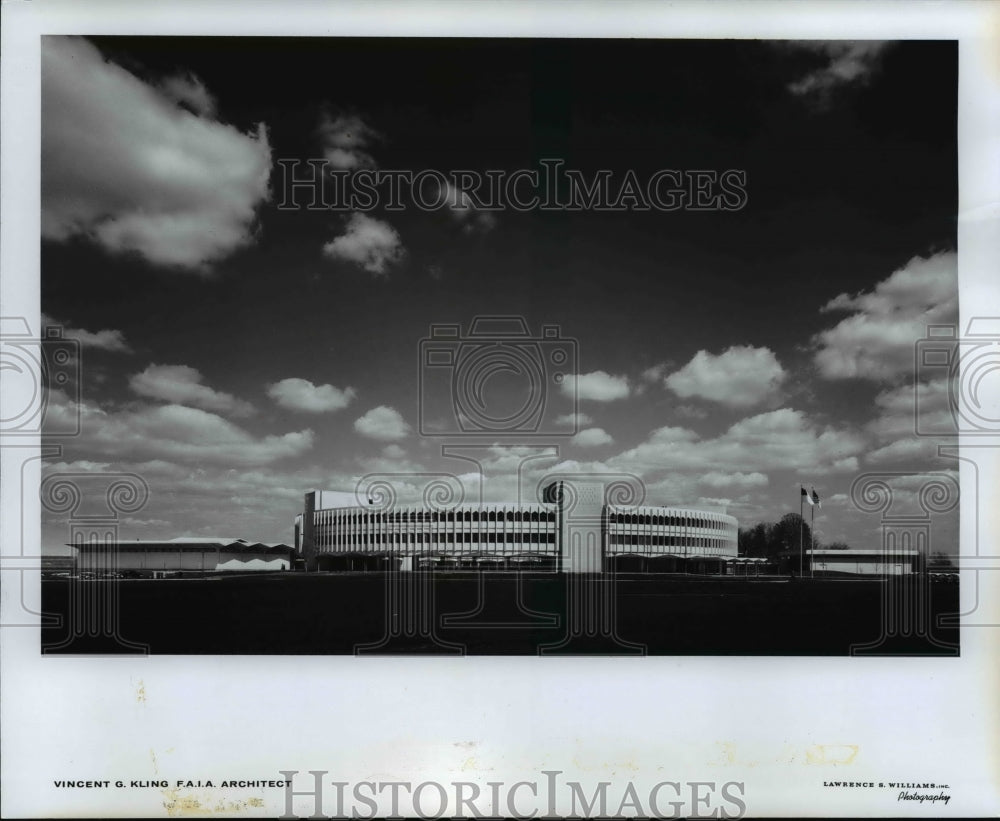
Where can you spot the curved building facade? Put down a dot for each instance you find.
(574, 530)
(671, 538)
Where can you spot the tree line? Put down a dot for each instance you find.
(769, 539)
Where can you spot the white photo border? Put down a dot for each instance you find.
(757, 720)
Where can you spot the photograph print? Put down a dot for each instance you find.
(498, 346)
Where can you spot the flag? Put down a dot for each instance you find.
(807, 496)
(815, 498)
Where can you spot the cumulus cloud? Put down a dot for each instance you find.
(573, 420)
(592, 438)
(182, 385)
(173, 433)
(189, 91)
(720, 502)
(126, 165)
(597, 386)
(103, 340)
(303, 395)
(735, 479)
(846, 62)
(902, 451)
(466, 213)
(783, 439)
(907, 499)
(393, 452)
(383, 423)
(690, 412)
(373, 244)
(654, 373)
(877, 341)
(511, 459)
(193, 498)
(739, 377)
(901, 415)
(77, 466)
(346, 139)
(899, 410)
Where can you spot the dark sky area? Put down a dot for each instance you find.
(850, 158)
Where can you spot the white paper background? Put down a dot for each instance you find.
(757, 720)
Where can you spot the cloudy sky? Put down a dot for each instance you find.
(236, 352)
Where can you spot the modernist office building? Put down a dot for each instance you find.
(574, 530)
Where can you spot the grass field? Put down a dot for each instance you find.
(321, 613)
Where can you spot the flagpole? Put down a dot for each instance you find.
(812, 541)
(801, 493)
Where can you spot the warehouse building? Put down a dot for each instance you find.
(182, 555)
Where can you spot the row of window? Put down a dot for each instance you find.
(525, 516)
(454, 516)
(647, 540)
(664, 520)
(323, 538)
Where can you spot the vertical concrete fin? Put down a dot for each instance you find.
(581, 530)
(308, 551)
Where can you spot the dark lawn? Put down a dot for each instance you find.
(503, 613)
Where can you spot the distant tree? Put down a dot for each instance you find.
(756, 541)
(769, 539)
(837, 546)
(786, 533)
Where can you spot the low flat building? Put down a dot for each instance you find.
(155, 557)
(862, 562)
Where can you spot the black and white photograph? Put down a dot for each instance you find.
(512, 346)
(354, 354)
